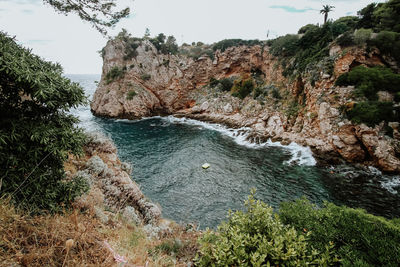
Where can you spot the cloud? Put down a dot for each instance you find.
(293, 9)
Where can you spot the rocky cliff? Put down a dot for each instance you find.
(305, 108)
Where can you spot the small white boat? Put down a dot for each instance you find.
(205, 166)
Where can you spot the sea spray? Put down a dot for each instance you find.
(299, 154)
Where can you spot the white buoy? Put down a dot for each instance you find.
(205, 166)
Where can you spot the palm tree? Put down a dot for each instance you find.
(325, 10)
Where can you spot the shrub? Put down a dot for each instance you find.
(214, 82)
(130, 95)
(275, 93)
(292, 109)
(36, 131)
(306, 28)
(388, 42)
(350, 21)
(226, 84)
(146, 77)
(285, 46)
(361, 36)
(359, 238)
(346, 39)
(257, 237)
(242, 87)
(371, 112)
(368, 81)
(130, 49)
(114, 74)
(225, 44)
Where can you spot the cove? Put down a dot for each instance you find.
(167, 154)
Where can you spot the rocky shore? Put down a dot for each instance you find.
(307, 109)
(111, 189)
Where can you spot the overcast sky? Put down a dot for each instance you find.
(74, 44)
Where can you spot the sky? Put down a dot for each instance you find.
(75, 44)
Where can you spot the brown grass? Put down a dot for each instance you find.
(43, 241)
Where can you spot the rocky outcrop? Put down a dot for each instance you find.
(307, 110)
(111, 187)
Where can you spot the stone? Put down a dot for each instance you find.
(96, 165)
(204, 106)
(385, 96)
(228, 108)
(131, 215)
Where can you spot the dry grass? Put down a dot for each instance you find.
(41, 240)
(44, 241)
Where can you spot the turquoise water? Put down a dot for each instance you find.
(167, 154)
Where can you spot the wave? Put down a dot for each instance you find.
(299, 154)
(391, 184)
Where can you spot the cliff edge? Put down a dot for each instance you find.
(306, 108)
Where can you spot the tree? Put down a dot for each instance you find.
(100, 13)
(325, 10)
(171, 45)
(36, 132)
(146, 34)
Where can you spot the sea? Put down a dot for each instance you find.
(167, 154)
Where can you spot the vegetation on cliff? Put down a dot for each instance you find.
(368, 82)
(301, 234)
(36, 132)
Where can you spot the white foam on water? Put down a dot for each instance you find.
(300, 155)
(391, 184)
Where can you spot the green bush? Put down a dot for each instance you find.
(214, 82)
(145, 77)
(275, 93)
(226, 84)
(359, 238)
(242, 87)
(346, 39)
(292, 109)
(285, 46)
(257, 237)
(36, 131)
(306, 28)
(368, 81)
(361, 36)
(371, 112)
(225, 44)
(130, 95)
(388, 43)
(130, 49)
(114, 74)
(165, 45)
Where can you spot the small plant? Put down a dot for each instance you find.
(213, 82)
(275, 93)
(257, 237)
(169, 247)
(292, 109)
(242, 87)
(114, 74)
(226, 84)
(130, 95)
(145, 77)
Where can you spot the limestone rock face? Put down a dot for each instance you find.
(111, 186)
(306, 112)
